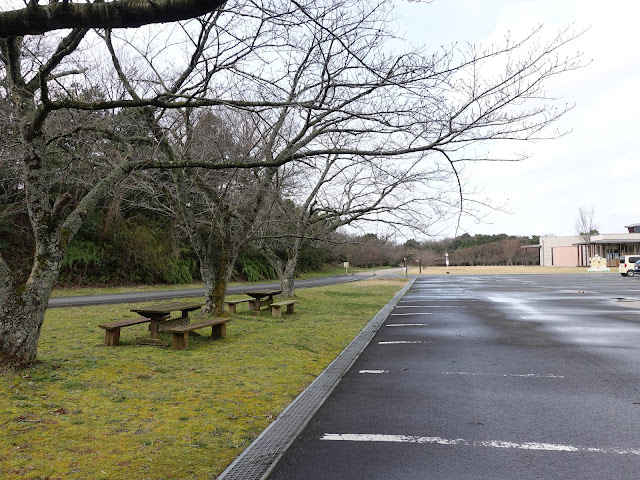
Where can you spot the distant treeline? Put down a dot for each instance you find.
(371, 251)
(500, 249)
(116, 247)
(137, 247)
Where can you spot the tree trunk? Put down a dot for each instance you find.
(38, 19)
(279, 267)
(208, 274)
(23, 307)
(220, 286)
(288, 279)
(216, 271)
(20, 330)
(225, 272)
(286, 284)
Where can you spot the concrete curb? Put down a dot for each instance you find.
(259, 458)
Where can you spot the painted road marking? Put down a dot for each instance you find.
(408, 325)
(401, 341)
(417, 313)
(549, 447)
(432, 306)
(374, 371)
(525, 375)
(434, 299)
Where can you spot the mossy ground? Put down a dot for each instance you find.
(87, 411)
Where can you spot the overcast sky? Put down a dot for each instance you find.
(592, 166)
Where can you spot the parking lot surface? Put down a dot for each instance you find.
(488, 377)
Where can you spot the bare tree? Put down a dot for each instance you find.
(510, 248)
(216, 209)
(585, 225)
(398, 121)
(45, 78)
(324, 194)
(220, 210)
(320, 77)
(426, 257)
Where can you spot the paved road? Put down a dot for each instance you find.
(199, 292)
(488, 377)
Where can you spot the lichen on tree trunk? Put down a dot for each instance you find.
(220, 285)
(287, 281)
(23, 306)
(19, 331)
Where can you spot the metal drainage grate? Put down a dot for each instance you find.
(259, 458)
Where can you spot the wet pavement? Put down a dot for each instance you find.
(487, 377)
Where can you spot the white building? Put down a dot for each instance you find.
(575, 251)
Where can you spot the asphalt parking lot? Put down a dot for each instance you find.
(488, 377)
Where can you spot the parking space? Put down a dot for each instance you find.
(483, 377)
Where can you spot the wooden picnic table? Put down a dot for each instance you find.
(157, 315)
(261, 298)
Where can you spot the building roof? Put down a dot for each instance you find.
(610, 240)
(632, 225)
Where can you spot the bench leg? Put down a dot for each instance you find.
(276, 311)
(254, 305)
(153, 328)
(290, 308)
(219, 331)
(231, 307)
(180, 341)
(112, 337)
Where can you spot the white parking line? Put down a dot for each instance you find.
(427, 299)
(549, 447)
(408, 325)
(374, 371)
(525, 375)
(432, 306)
(417, 313)
(401, 341)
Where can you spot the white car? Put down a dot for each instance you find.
(629, 265)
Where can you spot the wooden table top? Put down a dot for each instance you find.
(167, 308)
(261, 293)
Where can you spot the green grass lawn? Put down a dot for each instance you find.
(327, 271)
(74, 292)
(87, 411)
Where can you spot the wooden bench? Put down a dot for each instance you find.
(276, 307)
(167, 323)
(180, 339)
(231, 304)
(256, 304)
(112, 330)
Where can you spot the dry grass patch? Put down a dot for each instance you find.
(87, 411)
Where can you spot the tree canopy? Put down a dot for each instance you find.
(343, 121)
